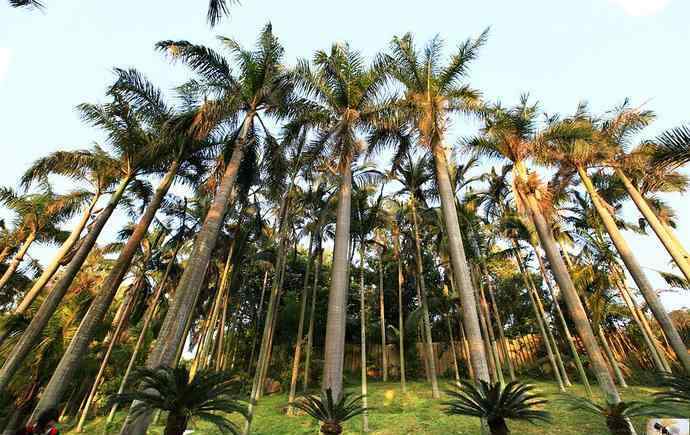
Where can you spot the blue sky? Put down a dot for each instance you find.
(561, 52)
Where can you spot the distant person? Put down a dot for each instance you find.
(45, 425)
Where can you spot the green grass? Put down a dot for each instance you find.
(412, 413)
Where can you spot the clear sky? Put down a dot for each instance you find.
(560, 51)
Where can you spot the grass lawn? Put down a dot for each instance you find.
(413, 413)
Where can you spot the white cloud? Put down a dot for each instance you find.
(5, 55)
(641, 8)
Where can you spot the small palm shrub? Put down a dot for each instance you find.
(617, 415)
(497, 403)
(331, 413)
(678, 390)
(207, 397)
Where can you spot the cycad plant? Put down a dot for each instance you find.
(497, 403)
(617, 415)
(205, 397)
(331, 413)
(678, 392)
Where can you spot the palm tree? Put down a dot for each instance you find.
(585, 147)
(261, 91)
(344, 101)
(497, 403)
(414, 175)
(432, 93)
(330, 412)
(206, 396)
(132, 146)
(672, 148)
(512, 134)
(176, 153)
(38, 215)
(30, 4)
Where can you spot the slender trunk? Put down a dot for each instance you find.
(273, 300)
(363, 336)
(501, 334)
(572, 300)
(174, 327)
(382, 317)
(612, 359)
(5, 253)
(129, 301)
(676, 252)
(73, 356)
(468, 303)
(144, 328)
(638, 276)
(466, 351)
(672, 235)
(540, 322)
(490, 333)
(50, 270)
(17, 259)
(453, 351)
(258, 321)
(425, 305)
(300, 326)
(569, 338)
(312, 313)
(337, 298)
(47, 309)
(401, 323)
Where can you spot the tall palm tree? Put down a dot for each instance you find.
(260, 90)
(431, 94)
(132, 147)
(511, 134)
(177, 153)
(587, 148)
(344, 96)
(672, 148)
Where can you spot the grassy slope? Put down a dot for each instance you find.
(414, 413)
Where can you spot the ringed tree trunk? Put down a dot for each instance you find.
(637, 274)
(312, 313)
(572, 299)
(17, 259)
(452, 348)
(73, 355)
(363, 336)
(174, 328)
(258, 322)
(337, 299)
(300, 326)
(431, 357)
(665, 238)
(47, 309)
(401, 323)
(501, 333)
(460, 268)
(569, 338)
(382, 317)
(50, 270)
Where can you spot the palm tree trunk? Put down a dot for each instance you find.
(460, 268)
(5, 253)
(612, 359)
(337, 298)
(677, 254)
(50, 270)
(73, 356)
(258, 322)
(490, 333)
(17, 259)
(638, 276)
(363, 336)
(501, 334)
(382, 317)
(129, 301)
(452, 348)
(312, 314)
(572, 300)
(300, 326)
(466, 350)
(569, 338)
(425, 305)
(50, 304)
(144, 328)
(401, 323)
(174, 327)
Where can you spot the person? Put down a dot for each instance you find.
(45, 424)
